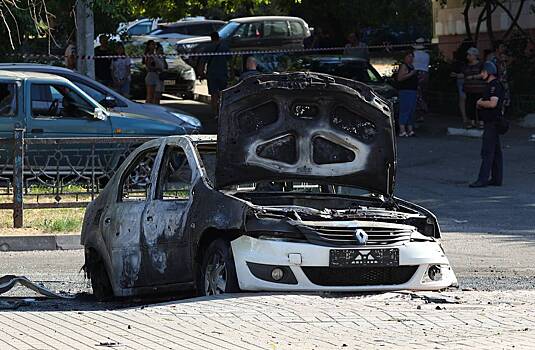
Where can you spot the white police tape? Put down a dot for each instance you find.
(388, 47)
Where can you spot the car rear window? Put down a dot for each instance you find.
(297, 29)
(140, 29)
(359, 71)
(275, 29)
(200, 29)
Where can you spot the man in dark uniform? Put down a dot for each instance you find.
(217, 70)
(103, 65)
(490, 108)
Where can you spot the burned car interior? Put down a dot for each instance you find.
(295, 193)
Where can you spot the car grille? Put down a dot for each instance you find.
(359, 276)
(376, 235)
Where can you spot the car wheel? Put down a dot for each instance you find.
(189, 96)
(100, 282)
(218, 272)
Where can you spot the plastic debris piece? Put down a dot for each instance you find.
(7, 282)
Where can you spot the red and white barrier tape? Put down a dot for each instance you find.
(387, 47)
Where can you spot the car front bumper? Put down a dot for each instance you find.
(255, 258)
(180, 87)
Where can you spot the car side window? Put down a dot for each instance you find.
(135, 183)
(140, 29)
(297, 29)
(97, 95)
(58, 101)
(374, 77)
(8, 99)
(249, 31)
(174, 179)
(275, 29)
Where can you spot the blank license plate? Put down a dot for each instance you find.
(362, 257)
(169, 82)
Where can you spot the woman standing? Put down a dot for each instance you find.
(457, 73)
(474, 85)
(407, 85)
(152, 79)
(161, 66)
(120, 71)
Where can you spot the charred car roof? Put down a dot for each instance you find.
(305, 127)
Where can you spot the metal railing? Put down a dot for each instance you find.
(43, 173)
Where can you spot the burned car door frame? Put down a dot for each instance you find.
(121, 221)
(166, 250)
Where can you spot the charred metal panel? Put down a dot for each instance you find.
(149, 246)
(305, 126)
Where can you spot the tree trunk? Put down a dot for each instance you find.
(480, 20)
(489, 10)
(467, 19)
(514, 19)
(85, 29)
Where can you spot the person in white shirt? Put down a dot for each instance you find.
(120, 71)
(70, 55)
(421, 65)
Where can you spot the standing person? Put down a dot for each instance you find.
(70, 55)
(421, 65)
(407, 85)
(491, 108)
(355, 47)
(152, 78)
(161, 67)
(499, 58)
(120, 71)
(474, 85)
(457, 73)
(217, 71)
(250, 68)
(103, 65)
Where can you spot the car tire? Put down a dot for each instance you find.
(218, 271)
(100, 282)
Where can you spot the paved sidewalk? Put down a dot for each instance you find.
(452, 320)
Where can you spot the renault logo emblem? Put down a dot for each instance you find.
(361, 237)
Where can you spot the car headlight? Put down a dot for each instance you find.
(188, 120)
(186, 47)
(189, 74)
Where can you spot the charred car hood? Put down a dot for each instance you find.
(307, 127)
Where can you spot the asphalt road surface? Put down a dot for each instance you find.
(489, 233)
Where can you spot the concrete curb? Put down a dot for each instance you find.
(465, 132)
(28, 243)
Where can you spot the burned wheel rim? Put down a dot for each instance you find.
(215, 275)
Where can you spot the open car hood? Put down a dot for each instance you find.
(308, 127)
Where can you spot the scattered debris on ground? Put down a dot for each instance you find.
(7, 282)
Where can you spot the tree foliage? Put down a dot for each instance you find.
(54, 23)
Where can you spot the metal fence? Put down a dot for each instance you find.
(39, 173)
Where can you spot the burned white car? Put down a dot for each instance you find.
(296, 194)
